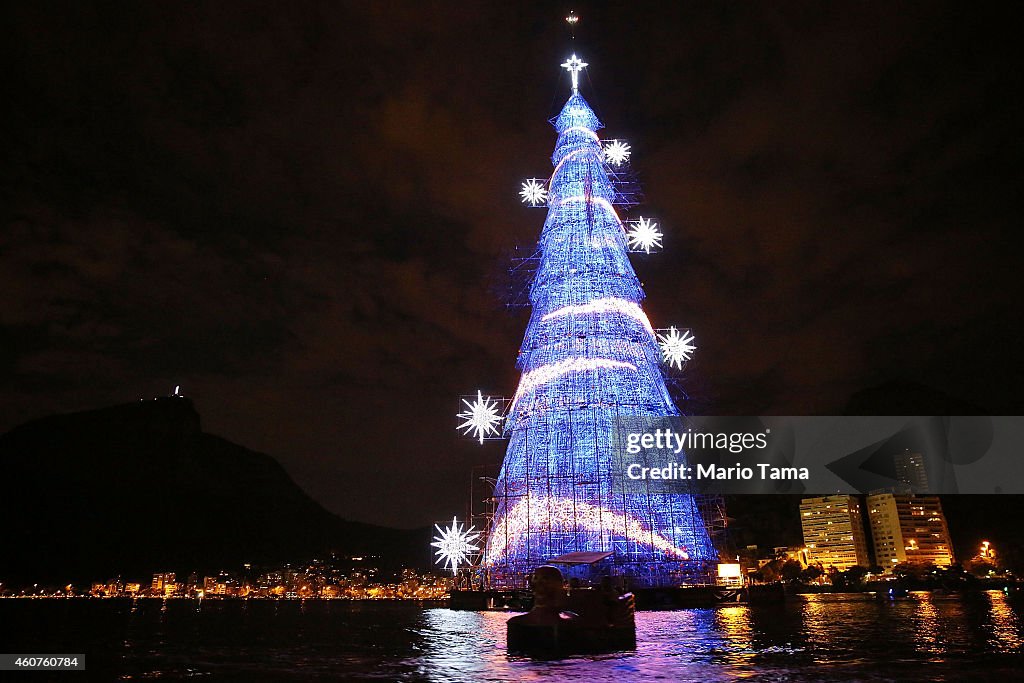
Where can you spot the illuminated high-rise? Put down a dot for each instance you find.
(908, 528)
(834, 532)
(911, 471)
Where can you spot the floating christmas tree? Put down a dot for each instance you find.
(589, 359)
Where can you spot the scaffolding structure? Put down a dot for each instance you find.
(589, 359)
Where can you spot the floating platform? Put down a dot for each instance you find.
(491, 600)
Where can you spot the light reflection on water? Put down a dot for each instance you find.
(1005, 629)
(810, 638)
(928, 630)
(815, 637)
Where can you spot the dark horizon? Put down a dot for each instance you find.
(302, 216)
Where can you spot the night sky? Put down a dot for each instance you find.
(303, 213)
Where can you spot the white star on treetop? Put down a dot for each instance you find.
(574, 65)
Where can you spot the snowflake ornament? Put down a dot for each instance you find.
(454, 546)
(644, 236)
(482, 417)
(533, 193)
(677, 348)
(616, 152)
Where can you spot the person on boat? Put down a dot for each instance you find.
(549, 597)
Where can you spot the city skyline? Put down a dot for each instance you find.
(882, 529)
(839, 534)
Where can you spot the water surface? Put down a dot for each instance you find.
(818, 637)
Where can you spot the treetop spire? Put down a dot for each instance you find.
(576, 113)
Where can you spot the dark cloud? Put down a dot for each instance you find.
(299, 212)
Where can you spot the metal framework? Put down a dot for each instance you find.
(589, 357)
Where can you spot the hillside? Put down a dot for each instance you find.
(138, 487)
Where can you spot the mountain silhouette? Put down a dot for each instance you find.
(138, 488)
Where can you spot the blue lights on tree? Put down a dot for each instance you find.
(589, 357)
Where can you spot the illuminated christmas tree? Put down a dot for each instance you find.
(589, 357)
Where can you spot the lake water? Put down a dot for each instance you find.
(818, 637)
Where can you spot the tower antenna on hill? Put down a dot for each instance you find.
(571, 21)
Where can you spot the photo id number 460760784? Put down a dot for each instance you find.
(42, 662)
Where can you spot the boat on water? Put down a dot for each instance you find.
(582, 620)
